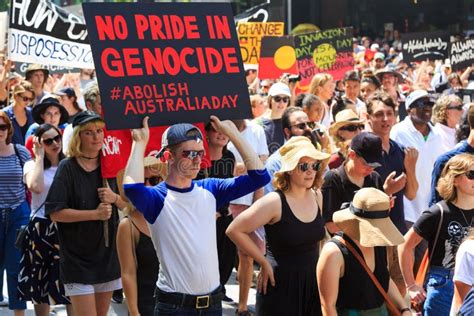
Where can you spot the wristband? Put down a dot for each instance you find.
(410, 286)
(406, 309)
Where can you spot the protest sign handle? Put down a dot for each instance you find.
(105, 184)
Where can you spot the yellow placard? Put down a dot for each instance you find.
(250, 37)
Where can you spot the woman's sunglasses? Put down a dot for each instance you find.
(49, 141)
(455, 107)
(470, 174)
(279, 99)
(352, 128)
(304, 166)
(192, 154)
(3, 127)
(153, 180)
(26, 99)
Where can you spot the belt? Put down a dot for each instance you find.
(187, 300)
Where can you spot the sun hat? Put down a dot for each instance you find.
(368, 146)
(367, 220)
(45, 103)
(296, 148)
(389, 69)
(279, 88)
(34, 67)
(177, 134)
(84, 117)
(417, 95)
(343, 118)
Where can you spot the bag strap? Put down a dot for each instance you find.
(133, 241)
(17, 153)
(390, 306)
(438, 229)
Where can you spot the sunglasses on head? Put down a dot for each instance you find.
(49, 141)
(3, 127)
(153, 180)
(304, 166)
(192, 154)
(279, 99)
(455, 107)
(352, 127)
(470, 174)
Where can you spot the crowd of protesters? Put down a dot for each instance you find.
(355, 197)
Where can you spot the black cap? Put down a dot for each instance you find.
(177, 134)
(66, 91)
(84, 117)
(45, 103)
(368, 146)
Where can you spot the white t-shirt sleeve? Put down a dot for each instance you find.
(27, 168)
(464, 270)
(67, 135)
(261, 140)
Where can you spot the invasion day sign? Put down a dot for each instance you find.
(250, 38)
(425, 45)
(173, 62)
(327, 51)
(461, 54)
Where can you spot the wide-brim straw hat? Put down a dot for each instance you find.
(296, 148)
(367, 219)
(34, 67)
(389, 69)
(343, 118)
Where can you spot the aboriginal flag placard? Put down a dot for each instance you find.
(277, 56)
(173, 62)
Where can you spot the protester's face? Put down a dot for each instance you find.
(182, 164)
(379, 63)
(3, 130)
(454, 113)
(92, 138)
(464, 184)
(52, 115)
(37, 79)
(280, 103)
(389, 81)
(352, 89)
(455, 84)
(250, 76)
(152, 176)
(300, 178)
(216, 139)
(96, 106)
(421, 111)
(349, 131)
(51, 141)
(315, 112)
(24, 99)
(326, 91)
(259, 107)
(382, 118)
(299, 125)
(361, 167)
(66, 101)
(366, 90)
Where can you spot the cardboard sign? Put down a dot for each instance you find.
(250, 38)
(277, 56)
(461, 54)
(328, 51)
(3, 29)
(41, 32)
(425, 45)
(173, 62)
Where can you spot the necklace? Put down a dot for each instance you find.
(90, 158)
(464, 216)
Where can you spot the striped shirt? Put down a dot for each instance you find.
(12, 192)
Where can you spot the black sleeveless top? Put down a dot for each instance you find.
(356, 289)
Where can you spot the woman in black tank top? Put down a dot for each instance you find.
(293, 226)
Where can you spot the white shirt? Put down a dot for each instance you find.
(67, 135)
(37, 199)
(464, 269)
(448, 136)
(255, 136)
(407, 135)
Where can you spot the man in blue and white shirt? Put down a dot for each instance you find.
(181, 213)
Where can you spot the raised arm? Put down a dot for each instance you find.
(35, 177)
(135, 170)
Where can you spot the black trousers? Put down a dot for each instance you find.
(226, 250)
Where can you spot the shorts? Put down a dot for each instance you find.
(74, 289)
(258, 236)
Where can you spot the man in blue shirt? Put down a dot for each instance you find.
(466, 146)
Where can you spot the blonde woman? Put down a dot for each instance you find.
(79, 203)
(292, 217)
(323, 86)
(447, 113)
(139, 264)
(454, 217)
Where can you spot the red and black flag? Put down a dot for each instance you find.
(277, 56)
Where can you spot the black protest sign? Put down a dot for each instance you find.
(173, 62)
(41, 32)
(461, 54)
(425, 45)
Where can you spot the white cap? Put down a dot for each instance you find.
(279, 88)
(416, 95)
(374, 46)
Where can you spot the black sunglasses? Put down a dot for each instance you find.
(153, 180)
(278, 99)
(49, 141)
(301, 125)
(352, 128)
(304, 166)
(455, 107)
(423, 104)
(3, 127)
(470, 174)
(192, 154)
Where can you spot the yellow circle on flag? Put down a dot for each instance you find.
(324, 56)
(285, 57)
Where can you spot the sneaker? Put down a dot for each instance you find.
(4, 302)
(227, 299)
(243, 313)
(117, 297)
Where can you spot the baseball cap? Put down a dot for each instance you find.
(279, 88)
(368, 146)
(177, 134)
(66, 91)
(417, 95)
(84, 117)
(379, 56)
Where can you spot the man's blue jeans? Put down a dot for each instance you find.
(163, 309)
(439, 292)
(10, 221)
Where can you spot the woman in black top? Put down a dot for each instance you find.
(293, 227)
(86, 214)
(345, 287)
